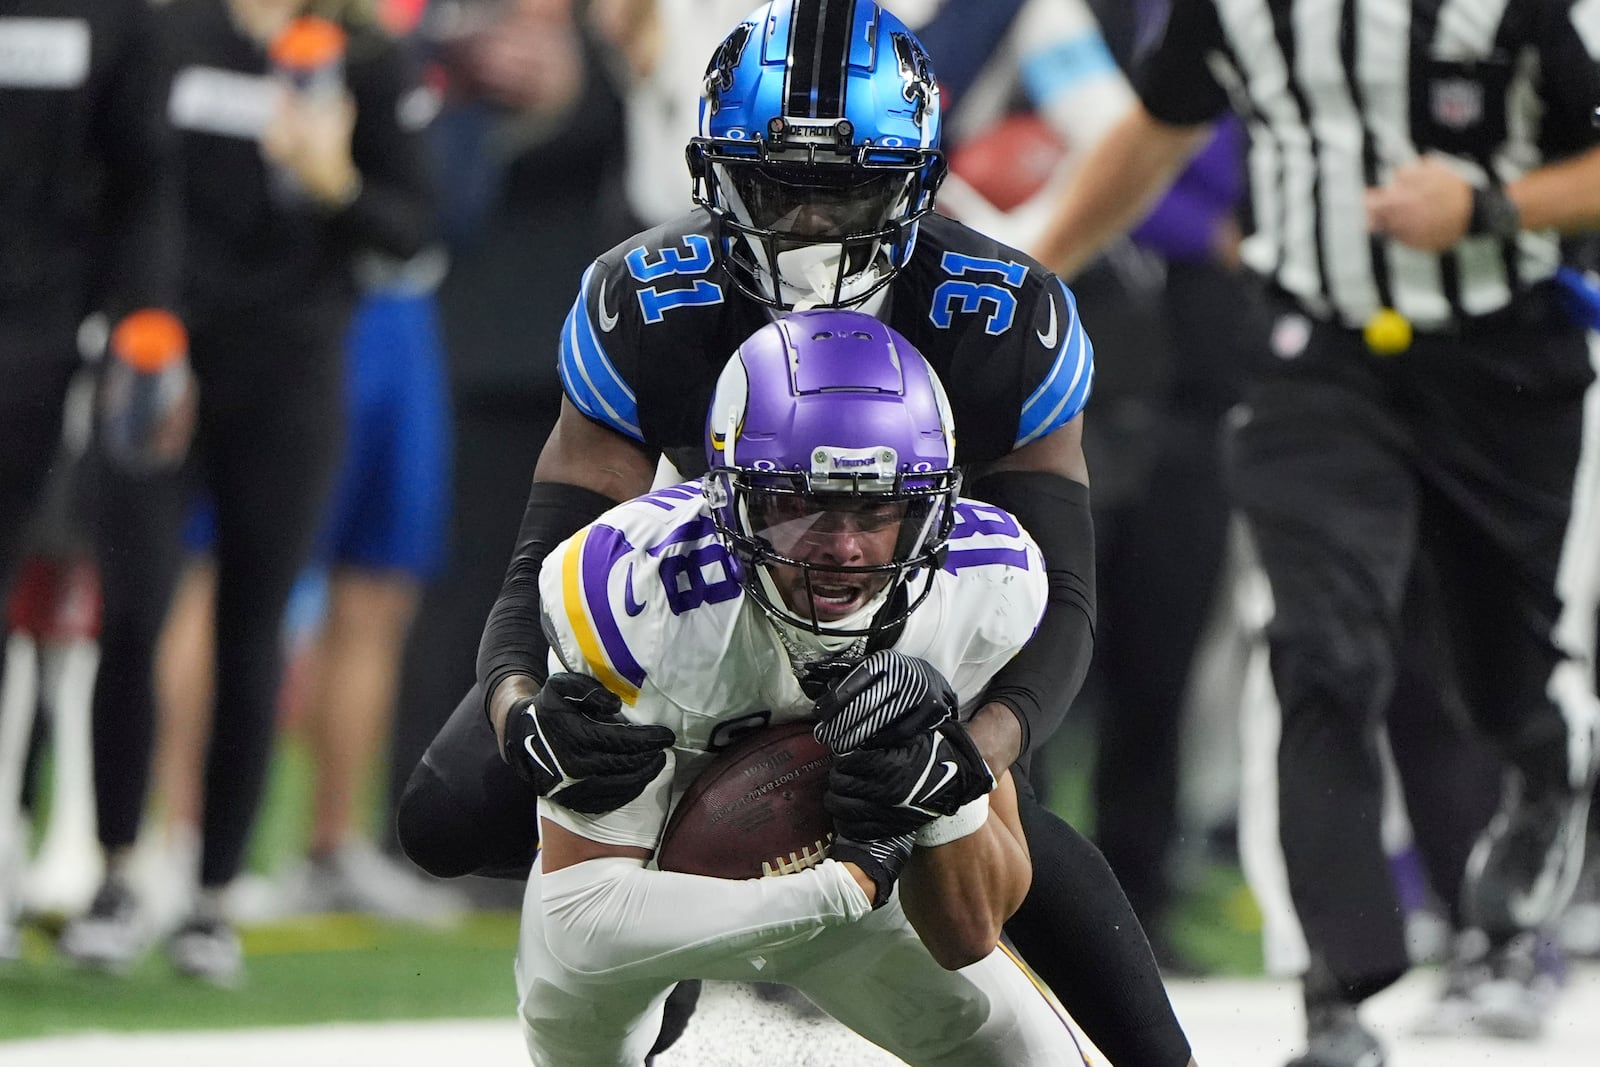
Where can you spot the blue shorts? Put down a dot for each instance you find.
(390, 505)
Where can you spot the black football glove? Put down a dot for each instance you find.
(884, 791)
(882, 861)
(890, 697)
(572, 744)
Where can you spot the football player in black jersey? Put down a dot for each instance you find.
(815, 171)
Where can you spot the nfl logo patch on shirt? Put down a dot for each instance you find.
(43, 53)
(1457, 103)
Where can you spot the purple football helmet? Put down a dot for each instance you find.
(827, 421)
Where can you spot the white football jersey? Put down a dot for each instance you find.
(645, 599)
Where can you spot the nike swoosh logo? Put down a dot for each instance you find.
(1047, 336)
(630, 605)
(949, 773)
(608, 320)
(533, 754)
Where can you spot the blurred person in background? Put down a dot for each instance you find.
(1162, 513)
(383, 536)
(382, 539)
(1426, 414)
(529, 149)
(1029, 87)
(1580, 927)
(89, 226)
(640, 355)
(289, 175)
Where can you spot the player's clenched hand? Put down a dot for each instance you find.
(888, 697)
(882, 860)
(572, 743)
(883, 791)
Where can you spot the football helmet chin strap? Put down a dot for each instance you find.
(818, 266)
(812, 645)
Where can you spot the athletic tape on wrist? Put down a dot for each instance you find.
(968, 819)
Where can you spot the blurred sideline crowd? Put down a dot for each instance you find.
(371, 243)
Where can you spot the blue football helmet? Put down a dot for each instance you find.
(824, 421)
(818, 150)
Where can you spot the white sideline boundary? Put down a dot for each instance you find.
(1232, 1023)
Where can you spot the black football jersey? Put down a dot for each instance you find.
(657, 318)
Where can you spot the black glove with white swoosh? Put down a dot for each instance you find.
(572, 743)
(889, 697)
(886, 791)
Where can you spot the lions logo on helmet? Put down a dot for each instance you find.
(719, 74)
(818, 150)
(921, 89)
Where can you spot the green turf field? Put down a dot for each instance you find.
(351, 968)
(321, 969)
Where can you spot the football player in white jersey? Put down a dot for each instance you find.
(828, 532)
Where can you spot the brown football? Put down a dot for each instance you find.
(756, 810)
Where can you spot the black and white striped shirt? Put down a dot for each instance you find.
(1338, 93)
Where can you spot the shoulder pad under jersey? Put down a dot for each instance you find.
(646, 300)
(624, 590)
(1003, 333)
(987, 600)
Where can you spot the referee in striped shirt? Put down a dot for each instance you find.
(1413, 164)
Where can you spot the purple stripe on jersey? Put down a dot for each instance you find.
(959, 558)
(670, 497)
(604, 546)
(694, 530)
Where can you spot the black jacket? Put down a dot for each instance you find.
(253, 250)
(88, 188)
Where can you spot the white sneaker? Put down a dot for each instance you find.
(164, 872)
(112, 935)
(1503, 991)
(357, 877)
(207, 948)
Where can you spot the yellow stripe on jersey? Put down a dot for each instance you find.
(1049, 998)
(583, 627)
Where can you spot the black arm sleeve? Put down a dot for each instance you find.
(1040, 683)
(513, 638)
(1173, 78)
(1571, 83)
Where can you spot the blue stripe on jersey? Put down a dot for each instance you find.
(1062, 68)
(1065, 390)
(588, 375)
